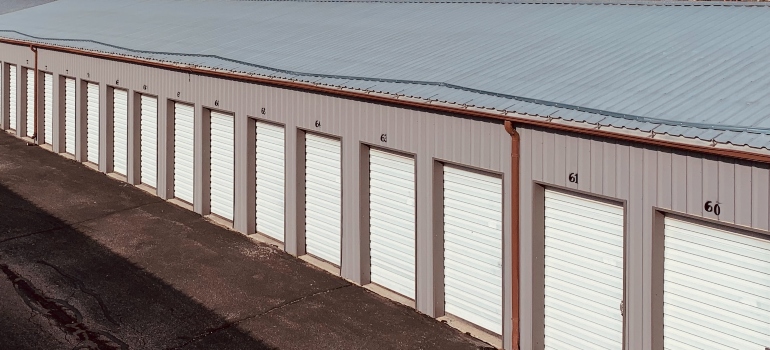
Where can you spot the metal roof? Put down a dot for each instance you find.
(691, 69)
(8, 6)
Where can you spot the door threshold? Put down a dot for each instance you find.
(472, 330)
(387, 293)
(323, 265)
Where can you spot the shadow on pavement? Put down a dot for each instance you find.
(61, 289)
(91, 262)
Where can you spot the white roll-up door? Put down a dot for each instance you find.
(473, 247)
(716, 288)
(69, 115)
(323, 198)
(184, 151)
(92, 123)
(120, 131)
(392, 221)
(583, 272)
(149, 140)
(270, 180)
(222, 165)
(30, 102)
(12, 88)
(48, 109)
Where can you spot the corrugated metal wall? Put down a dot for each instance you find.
(430, 137)
(645, 178)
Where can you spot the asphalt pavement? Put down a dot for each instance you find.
(90, 262)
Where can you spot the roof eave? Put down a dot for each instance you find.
(550, 122)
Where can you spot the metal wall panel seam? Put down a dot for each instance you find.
(725, 190)
(649, 201)
(634, 248)
(741, 193)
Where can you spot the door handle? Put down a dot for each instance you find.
(623, 310)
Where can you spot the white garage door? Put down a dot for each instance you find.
(92, 123)
(120, 131)
(392, 221)
(69, 116)
(48, 109)
(222, 165)
(323, 198)
(30, 102)
(716, 288)
(12, 88)
(473, 247)
(583, 272)
(184, 151)
(270, 180)
(149, 140)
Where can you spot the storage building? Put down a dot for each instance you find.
(542, 175)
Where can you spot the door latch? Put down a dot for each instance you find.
(623, 310)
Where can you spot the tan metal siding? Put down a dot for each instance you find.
(531, 336)
(694, 185)
(597, 170)
(674, 180)
(664, 179)
(639, 297)
(741, 194)
(679, 177)
(548, 157)
(646, 178)
(560, 166)
(429, 136)
(760, 184)
(608, 171)
(584, 164)
(634, 228)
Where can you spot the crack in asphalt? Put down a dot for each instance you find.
(300, 299)
(65, 316)
(81, 286)
(227, 325)
(77, 223)
(31, 234)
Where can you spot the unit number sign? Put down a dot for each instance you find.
(712, 208)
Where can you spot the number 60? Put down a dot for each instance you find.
(712, 208)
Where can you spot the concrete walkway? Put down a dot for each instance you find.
(89, 262)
